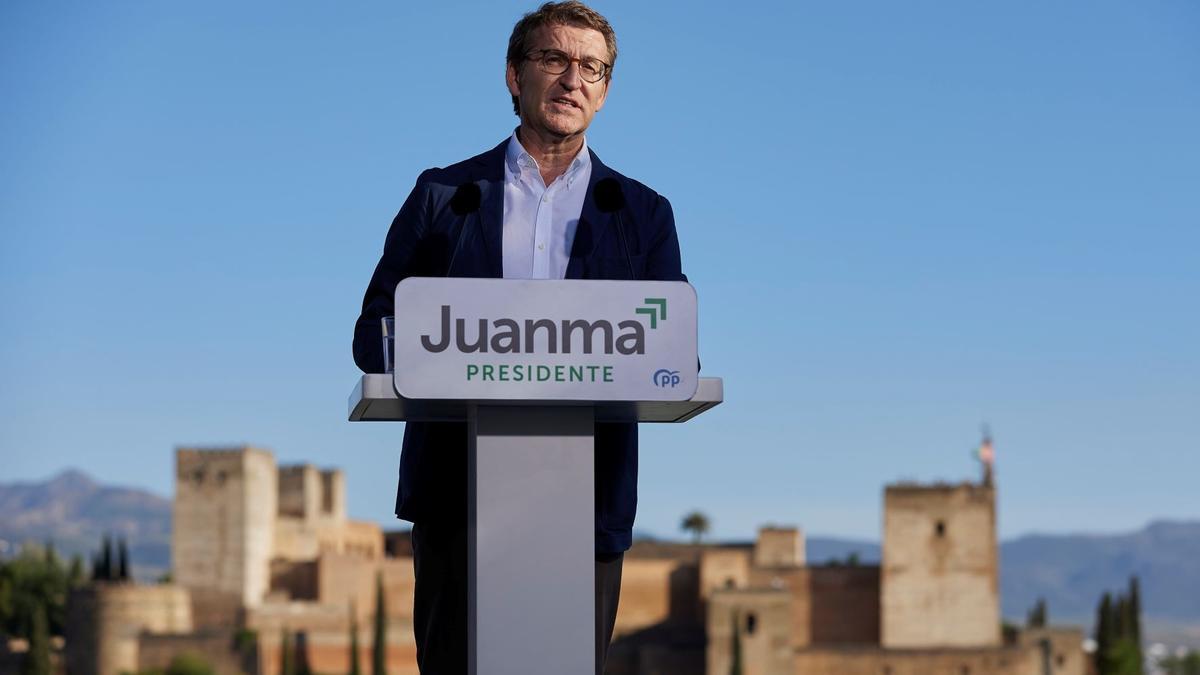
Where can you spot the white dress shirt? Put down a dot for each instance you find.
(540, 220)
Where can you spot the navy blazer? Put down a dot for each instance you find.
(433, 473)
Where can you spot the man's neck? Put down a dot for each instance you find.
(553, 155)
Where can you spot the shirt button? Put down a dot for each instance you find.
(541, 247)
(546, 198)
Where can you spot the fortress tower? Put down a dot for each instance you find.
(223, 526)
(940, 584)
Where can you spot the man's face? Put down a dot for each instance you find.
(559, 105)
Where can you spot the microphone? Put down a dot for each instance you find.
(610, 198)
(465, 201)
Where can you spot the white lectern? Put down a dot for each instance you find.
(532, 366)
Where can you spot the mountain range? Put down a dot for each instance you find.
(1070, 571)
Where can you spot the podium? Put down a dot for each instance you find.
(530, 484)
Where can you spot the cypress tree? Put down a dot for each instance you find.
(735, 659)
(1120, 618)
(355, 668)
(1037, 615)
(302, 665)
(37, 659)
(286, 666)
(1104, 636)
(1135, 608)
(75, 576)
(122, 560)
(106, 561)
(379, 643)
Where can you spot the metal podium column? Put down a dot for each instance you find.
(530, 540)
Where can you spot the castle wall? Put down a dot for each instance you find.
(299, 491)
(940, 583)
(763, 620)
(104, 621)
(779, 547)
(844, 605)
(876, 661)
(322, 632)
(645, 594)
(217, 649)
(724, 568)
(293, 580)
(224, 520)
(1058, 646)
(298, 539)
(345, 579)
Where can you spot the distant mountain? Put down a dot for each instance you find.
(74, 513)
(1072, 571)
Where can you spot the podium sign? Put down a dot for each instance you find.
(542, 340)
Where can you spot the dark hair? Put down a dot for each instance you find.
(569, 13)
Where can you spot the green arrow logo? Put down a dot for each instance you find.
(658, 311)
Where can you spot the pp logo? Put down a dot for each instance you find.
(666, 378)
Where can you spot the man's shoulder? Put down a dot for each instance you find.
(637, 194)
(481, 166)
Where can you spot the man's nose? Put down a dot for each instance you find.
(571, 80)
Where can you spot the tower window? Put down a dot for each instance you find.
(940, 529)
(751, 623)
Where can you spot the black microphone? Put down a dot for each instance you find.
(465, 201)
(610, 198)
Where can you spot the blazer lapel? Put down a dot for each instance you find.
(593, 226)
(491, 207)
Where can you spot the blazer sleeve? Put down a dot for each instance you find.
(397, 262)
(662, 256)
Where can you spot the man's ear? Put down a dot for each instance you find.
(512, 77)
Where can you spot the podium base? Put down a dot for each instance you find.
(530, 540)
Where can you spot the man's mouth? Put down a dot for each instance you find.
(565, 101)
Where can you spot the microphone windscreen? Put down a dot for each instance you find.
(466, 199)
(608, 195)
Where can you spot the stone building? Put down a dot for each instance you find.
(931, 607)
(257, 551)
(261, 551)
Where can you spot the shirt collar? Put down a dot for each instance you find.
(517, 159)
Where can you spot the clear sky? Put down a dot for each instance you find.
(902, 220)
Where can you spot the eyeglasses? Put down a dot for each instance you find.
(554, 62)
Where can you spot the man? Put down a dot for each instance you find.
(534, 215)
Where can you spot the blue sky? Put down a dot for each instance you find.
(902, 220)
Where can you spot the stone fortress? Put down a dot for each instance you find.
(261, 550)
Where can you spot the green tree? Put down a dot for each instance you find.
(695, 523)
(75, 575)
(302, 665)
(106, 560)
(1104, 634)
(379, 639)
(37, 659)
(1185, 664)
(1135, 608)
(33, 580)
(1118, 634)
(189, 663)
(735, 651)
(1037, 615)
(286, 665)
(355, 667)
(122, 560)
